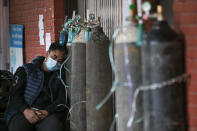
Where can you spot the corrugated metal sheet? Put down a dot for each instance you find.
(110, 12)
(113, 11)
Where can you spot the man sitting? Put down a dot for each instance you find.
(38, 98)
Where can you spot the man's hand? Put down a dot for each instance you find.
(31, 115)
(42, 114)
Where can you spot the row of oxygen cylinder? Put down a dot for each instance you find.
(157, 60)
(90, 80)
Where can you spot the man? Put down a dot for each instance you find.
(38, 99)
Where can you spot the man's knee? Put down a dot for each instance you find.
(19, 123)
(50, 123)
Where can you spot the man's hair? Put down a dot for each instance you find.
(57, 46)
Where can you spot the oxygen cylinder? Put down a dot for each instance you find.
(162, 60)
(62, 37)
(68, 83)
(126, 42)
(78, 83)
(69, 62)
(68, 67)
(98, 81)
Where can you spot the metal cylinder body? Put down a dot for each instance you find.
(67, 82)
(124, 95)
(68, 70)
(98, 81)
(78, 87)
(162, 60)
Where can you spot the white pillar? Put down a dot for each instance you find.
(4, 36)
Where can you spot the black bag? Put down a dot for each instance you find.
(6, 82)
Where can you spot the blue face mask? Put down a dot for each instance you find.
(52, 65)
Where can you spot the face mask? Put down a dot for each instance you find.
(52, 65)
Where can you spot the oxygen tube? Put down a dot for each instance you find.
(140, 24)
(129, 79)
(115, 83)
(72, 27)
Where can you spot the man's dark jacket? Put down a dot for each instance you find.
(24, 95)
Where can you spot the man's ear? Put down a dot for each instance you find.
(47, 53)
